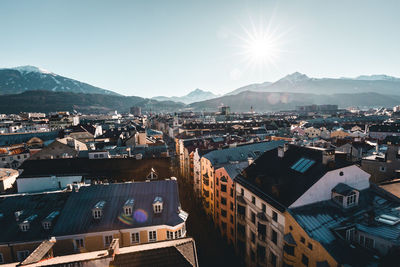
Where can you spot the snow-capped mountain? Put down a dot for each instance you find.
(194, 96)
(301, 83)
(27, 78)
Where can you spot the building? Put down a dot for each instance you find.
(381, 131)
(383, 166)
(225, 218)
(88, 218)
(13, 156)
(287, 177)
(7, 179)
(352, 228)
(172, 253)
(61, 148)
(136, 111)
(217, 158)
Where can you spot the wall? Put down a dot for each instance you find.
(321, 190)
(40, 184)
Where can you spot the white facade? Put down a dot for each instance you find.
(46, 183)
(7, 178)
(274, 223)
(352, 176)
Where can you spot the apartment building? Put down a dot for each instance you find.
(225, 201)
(284, 178)
(213, 160)
(89, 217)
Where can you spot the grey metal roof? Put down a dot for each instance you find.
(34, 204)
(324, 221)
(76, 217)
(240, 153)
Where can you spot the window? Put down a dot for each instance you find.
(223, 201)
(382, 168)
(274, 237)
(274, 216)
(24, 227)
(46, 225)
(170, 235)
(253, 217)
(97, 214)
(216, 181)
(223, 188)
(253, 200)
(263, 207)
(157, 208)
(231, 206)
(107, 240)
(302, 240)
(79, 243)
(369, 243)
(216, 193)
(231, 193)
(350, 234)
(304, 260)
(310, 246)
(135, 238)
(1, 258)
(273, 259)
(22, 255)
(351, 199)
(152, 236)
(242, 191)
(289, 249)
(128, 211)
(223, 213)
(302, 165)
(253, 237)
(231, 219)
(252, 255)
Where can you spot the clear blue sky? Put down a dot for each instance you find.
(150, 48)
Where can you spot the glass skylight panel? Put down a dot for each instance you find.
(302, 165)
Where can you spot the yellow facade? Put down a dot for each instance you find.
(305, 245)
(92, 242)
(207, 185)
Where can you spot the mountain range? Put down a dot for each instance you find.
(194, 96)
(30, 88)
(28, 78)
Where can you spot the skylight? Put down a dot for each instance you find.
(302, 165)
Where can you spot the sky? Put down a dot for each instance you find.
(149, 48)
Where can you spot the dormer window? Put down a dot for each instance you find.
(128, 207)
(97, 210)
(157, 205)
(47, 222)
(344, 195)
(25, 225)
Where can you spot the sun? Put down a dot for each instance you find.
(261, 45)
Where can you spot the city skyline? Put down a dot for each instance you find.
(172, 48)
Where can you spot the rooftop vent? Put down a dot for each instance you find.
(388, 219)
(128, 206)
(25, 225)
(97, 210)
(18, 214)
(157, 205)
(47, 222)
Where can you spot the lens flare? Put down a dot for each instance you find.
(140, 215)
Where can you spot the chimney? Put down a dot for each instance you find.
(113, 249)
(18, 214)
(328, 156)
(282, 150)
(250, 160)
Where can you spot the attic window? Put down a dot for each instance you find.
(25, 225)
(47, 222)
(97, 210)
(302, 165)
(157, 205)
(128, 206)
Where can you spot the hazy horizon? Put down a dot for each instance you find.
(174, 47)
